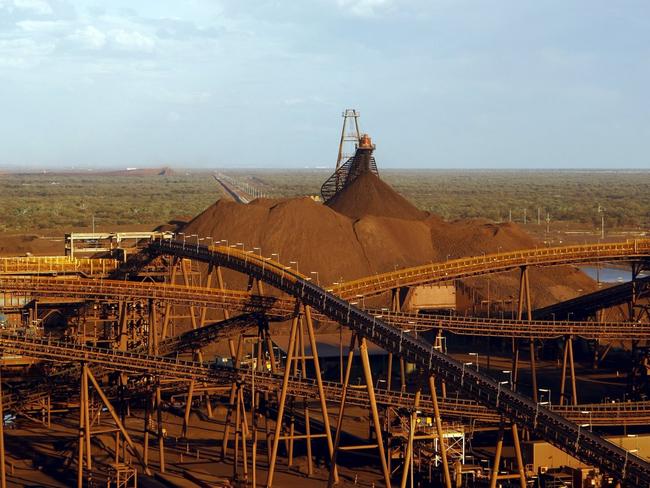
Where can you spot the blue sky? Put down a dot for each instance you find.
(439, 83)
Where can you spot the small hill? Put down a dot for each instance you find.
(369, 195)
(139, 172)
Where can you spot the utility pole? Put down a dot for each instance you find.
(539, 220)
(601, 211)
(525, 210)
(548, 221)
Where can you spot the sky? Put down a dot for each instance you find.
(215, 83)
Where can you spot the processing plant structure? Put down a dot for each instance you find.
(194, 361)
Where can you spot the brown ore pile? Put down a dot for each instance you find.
(369, 228)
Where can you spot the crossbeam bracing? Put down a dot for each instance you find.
(217, 376)
(188, 341)
(548, 425)
(277, 308)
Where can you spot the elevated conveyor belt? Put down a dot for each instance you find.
(566, 435)
(139, 363)
(56, 265)
(637, 250)
(495, 327)
(587, 305)
(279, 308)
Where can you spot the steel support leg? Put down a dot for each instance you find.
(339, 422)
(363, 347)
(86, 416)
(3, 467)
(494, 476)
(319, 383)
(118, 422)
(565, 357)
(409, 445)
(236, 357)
(574, 391)
(80, 457)
(282, 401)
(440, 432)
(520, 462)
(188, 410)
(161, 436)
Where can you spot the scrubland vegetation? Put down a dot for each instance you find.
(45, 201)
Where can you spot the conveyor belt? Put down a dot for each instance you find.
(453, 269)
(139, 363)
(279, 308)
(587, 305)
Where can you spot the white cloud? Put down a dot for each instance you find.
(42, 25)
(132, 40)
(89, 37)
(23, 52)
(39, 7)
(365, 8)
(181, 97)
(124, 39)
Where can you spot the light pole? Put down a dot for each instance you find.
(276, 254)
(189, 237)
(296, 263)
(401, 337)
(412, 325)
(476, 355)
(499, 390)
(462, 376)
(509, 373)
(627, 451)
(317, 276)
(546, 390)
(601, 211)
(588, 412)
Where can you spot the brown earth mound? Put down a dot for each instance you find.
(369, 195)
(28, 244)
(343, 242)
